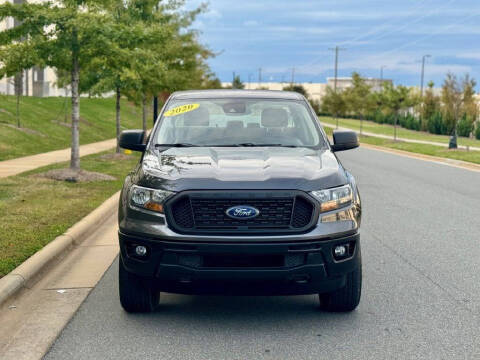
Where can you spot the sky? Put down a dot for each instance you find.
(278, 35)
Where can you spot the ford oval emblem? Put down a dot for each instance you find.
(242, 212)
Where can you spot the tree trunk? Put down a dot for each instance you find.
(18, 87)
(395, 127)
(117, 118)
(18, 110)
(144, 112)
(75, 147)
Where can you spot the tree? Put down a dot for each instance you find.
(66, 35)
(333, 103)
(173, 59)
(237, 83)
(431, 105)
(298, 89)
(394, 99)
(452, 98)
(359, 99)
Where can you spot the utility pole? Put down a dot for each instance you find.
(336, 49)
(249, 80)
(259, 76)
(381, 72)
(293, 78)
(423, 73)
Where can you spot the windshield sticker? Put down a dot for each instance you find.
(181, 109)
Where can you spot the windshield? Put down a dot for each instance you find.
(237, 122)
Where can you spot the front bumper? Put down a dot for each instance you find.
(237, 267)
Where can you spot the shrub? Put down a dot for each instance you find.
(436, 125)
(477, 131)
(464, 126)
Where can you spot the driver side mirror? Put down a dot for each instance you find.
(344, 140)
(133, 140)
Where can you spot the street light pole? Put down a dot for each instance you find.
(381, 72)
(423, 73)
(336, 49)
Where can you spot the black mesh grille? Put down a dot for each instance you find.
(182, 213)
(205, 212)
(211, 213)
(302, 213)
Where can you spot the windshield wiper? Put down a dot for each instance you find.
(262, 145)
(176, 145)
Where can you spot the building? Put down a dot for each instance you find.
(33, 82)
(346, 82)
(316, 91)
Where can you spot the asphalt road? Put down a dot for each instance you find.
(421, 294)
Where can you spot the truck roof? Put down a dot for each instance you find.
(235, 93)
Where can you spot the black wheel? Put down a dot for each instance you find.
(346, 298)
(135, 294)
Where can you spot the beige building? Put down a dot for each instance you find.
(315, 91)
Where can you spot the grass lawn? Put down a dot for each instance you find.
(44, 127)
(470, 156)
(384, 129)
(35, 210)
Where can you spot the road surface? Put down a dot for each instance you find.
(421, 294)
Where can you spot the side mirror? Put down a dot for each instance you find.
(344, 140)
(133, 140)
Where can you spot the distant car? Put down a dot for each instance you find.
(239, 192)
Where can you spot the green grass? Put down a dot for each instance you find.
(44, 127)
(385, 129)
(469, 156)
(35, 210)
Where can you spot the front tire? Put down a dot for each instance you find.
(347, 298)
(135, 294)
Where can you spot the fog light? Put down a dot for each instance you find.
(141, 250)
(340, 251)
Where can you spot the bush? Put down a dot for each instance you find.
(435, 125)
(464, 126)
(477, 131)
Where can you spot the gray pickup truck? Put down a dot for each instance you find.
(239, 192)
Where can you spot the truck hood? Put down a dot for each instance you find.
(178, 169)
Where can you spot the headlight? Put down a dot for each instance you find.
(149, 199)
(332, 199)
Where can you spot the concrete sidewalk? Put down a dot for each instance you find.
(388, 137)
(19, 165)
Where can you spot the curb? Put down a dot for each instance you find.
(18, 277)
(435, 159)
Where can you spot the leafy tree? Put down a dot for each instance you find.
(298, 89)
(452, 98)
(334, 103)
(237, 83)
(64, 34)
(393, 100)
(359, 99)
(431, 105)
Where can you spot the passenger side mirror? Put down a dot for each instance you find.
(344, 140)
(133, 140)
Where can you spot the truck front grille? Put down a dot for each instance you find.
(205, 212)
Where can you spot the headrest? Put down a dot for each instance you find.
(197, 117)
(235, 124)
(274, 117)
